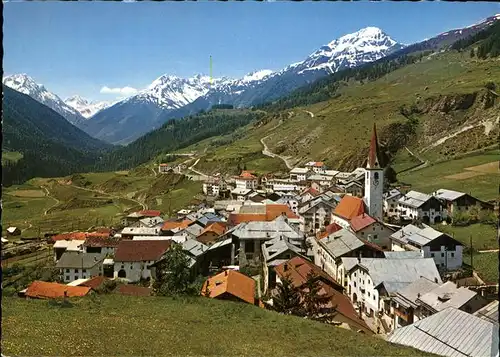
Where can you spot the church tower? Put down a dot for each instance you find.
(374, 180)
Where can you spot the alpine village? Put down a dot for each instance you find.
(355, 215)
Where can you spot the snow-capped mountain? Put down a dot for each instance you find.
(25, 84)
(85, 107)
(366, 45)
(132, 117)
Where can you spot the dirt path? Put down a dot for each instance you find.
(142, 204)
(267, 152)
(196, 171)
(154, 172)
(488, 251)
(419, 167)
(310, 113)
(48, 195)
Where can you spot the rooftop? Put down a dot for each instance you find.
(349, 207)
(217, 228)
(230, 282)
(266, 230)
(279, 245)
(141, 250)
(408, 296)
(447, 295)
(341, 242)
(362, 221)
(77, 260)
(448, 195)
(452, 333)
(46, 290)
(489, 312)
(391, 194)
(169, 225)
(414, 199)
(143, 231)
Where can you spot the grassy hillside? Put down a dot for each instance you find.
(82, 201)
(153, 326)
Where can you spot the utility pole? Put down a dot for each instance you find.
(471, 254)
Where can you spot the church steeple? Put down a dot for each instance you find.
(373, 160)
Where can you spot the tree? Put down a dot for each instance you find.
(315, 304)
(288, 298)
(173, 276)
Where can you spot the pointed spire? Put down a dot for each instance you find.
(373, 162)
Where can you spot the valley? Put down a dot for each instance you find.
(280, 190)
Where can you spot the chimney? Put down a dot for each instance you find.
(436, 280)
(359, 258)
(418, 295)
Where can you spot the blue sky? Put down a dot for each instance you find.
(80, 47)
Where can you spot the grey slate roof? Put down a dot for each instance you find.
(266, 230)
(141, 231)
(273, 248)
(194, 229)
(315, 202)
(420, 236)
(448, 195)
(456, 297)
(414, 199)
(382, 270)
(220, 243)
(403, 255)
(452, 333)
(75, 260)
(151, 221)
(194, 247)
(489, 312)
(409, 295)
(341, 242)
(391, 194)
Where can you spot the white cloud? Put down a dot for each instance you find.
(125, 91)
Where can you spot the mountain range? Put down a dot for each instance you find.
(170, 97)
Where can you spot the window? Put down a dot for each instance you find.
(442, 255)
(368, 281)
(67, 277)
(84, 270)
(368, 294)
(452, 255)
(67, 270)
(432, 255)
(123, 267)
(374, 297)
(362, 233)
(76, 271)
(84, 276)
(375, 236)
(354, 274)
(354, 284)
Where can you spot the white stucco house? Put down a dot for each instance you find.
(417, 205)
(75, 265)
(300, 173)
(133, 257)
(446, 251)
(246, 181)
(373, 281)
(391, 199)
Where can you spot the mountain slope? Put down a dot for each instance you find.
(176, 134)
(127, 120)
(25, 84)
(50, 145)
(85, 107)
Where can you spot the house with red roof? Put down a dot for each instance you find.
(133, 258)
(246, 181)
(348, 208)
(212, 232)
(230, 285)
(373, 230)
(45, 290)
(298, 269)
